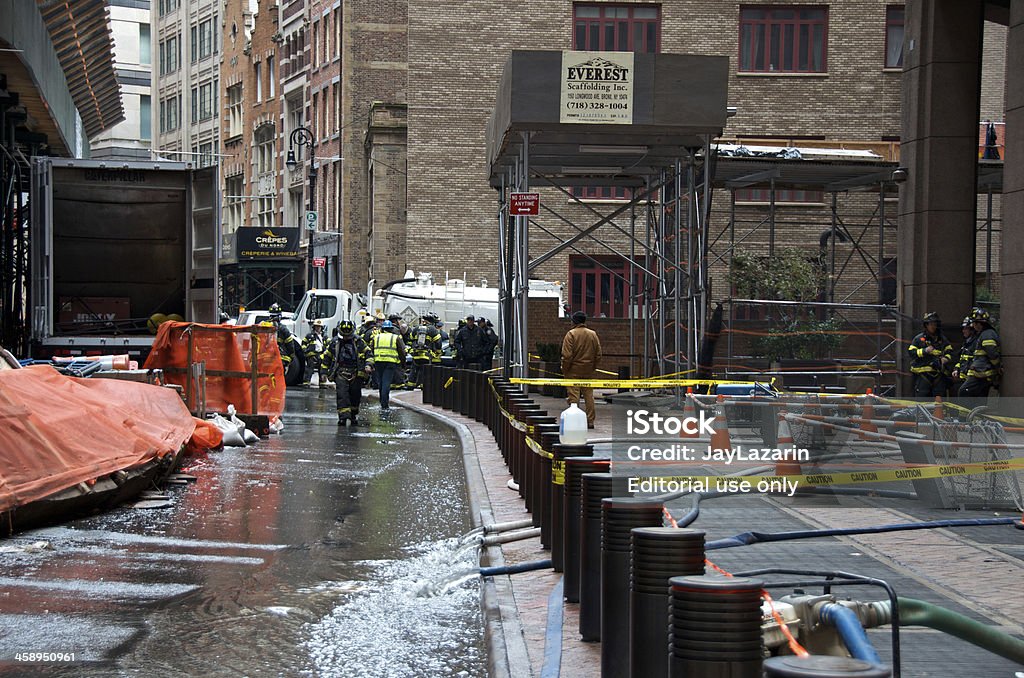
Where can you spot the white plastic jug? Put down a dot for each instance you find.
(572, 426)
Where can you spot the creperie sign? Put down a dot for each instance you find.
(524, 204)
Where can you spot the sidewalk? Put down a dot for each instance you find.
(975, 571)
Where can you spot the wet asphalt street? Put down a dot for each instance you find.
(322, 551)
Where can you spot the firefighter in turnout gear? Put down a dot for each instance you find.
(344, 363)
(286, 342)
(313, 347)
(965, 355)
(424, 344)
(931, 358)
(985, 369)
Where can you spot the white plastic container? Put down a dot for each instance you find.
(572, 426)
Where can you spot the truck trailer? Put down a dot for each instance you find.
(116, 249)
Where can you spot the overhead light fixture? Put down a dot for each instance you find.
(613, 150)
(588, 171)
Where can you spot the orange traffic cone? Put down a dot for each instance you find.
(689, 412)
(867, 413)
(789, 466)
(720, 437)
(938, 412)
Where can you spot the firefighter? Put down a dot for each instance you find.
(424, 344)
(344, 362)
(456, 354)
(286, 343)
(984, 370)
(931, 357)
(442, 338)
(469, 342)
(963, 358)
(313, 347)
(387, 353)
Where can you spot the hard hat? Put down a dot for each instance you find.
(386, 325)
(361, 312)
(439, 325)
(275, 309)
(319, 322)
(966, 322)
(380, 315)
(979, 315)
(346, 327)
(394, 317)
(931, 317)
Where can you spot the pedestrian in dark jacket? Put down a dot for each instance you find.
(490, 342)
(469, 343)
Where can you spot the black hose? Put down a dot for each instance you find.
(515, 569)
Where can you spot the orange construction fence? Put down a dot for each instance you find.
(243, 365)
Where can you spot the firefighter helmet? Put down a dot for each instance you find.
(979, 315)
(931, 317)
(966, 322)
(319, 322)
(346, 328)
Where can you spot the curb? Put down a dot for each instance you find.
(506, 645)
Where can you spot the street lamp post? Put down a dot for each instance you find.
(303, 136)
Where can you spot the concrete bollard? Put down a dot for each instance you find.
(619, 516)
(657, 554)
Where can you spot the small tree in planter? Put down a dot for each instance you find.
(790, 275)
(551, 365)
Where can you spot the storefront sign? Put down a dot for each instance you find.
(267, 243)
(597, 88)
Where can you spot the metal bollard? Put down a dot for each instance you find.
(575, 467)
(462, 406)
(715, 627)
(559, 526)
(822, 666)
(596, 486)
(425, 373)
(520, 452)
(534, 466)
(448, 387)
(619, 516)
(548, 517)
(479, 388)
(657, 555)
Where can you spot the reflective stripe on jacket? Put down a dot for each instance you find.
(987, 355)
(928, 363)
(385, 348)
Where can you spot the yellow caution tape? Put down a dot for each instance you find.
(557, 472)
(450, 381)
(535, 446)
(624, 383)
(860, 477)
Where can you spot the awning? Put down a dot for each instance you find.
(80, 31)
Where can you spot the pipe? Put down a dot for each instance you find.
(919, 613)
(848, 625)
(515, 569)
(509, 537)
(505, 527)
(747, 538)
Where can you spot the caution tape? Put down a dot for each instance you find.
(450, 381)
(861, 477)
(535, 446)
(623, 383)
(557, 472)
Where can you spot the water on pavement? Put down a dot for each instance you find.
(322, 551)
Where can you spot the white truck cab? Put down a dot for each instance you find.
(331, 306)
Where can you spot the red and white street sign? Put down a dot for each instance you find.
(319, 262)
(524, 204)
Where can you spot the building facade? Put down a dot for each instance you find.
(186, 44)
(130, 29)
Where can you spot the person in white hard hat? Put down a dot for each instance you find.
(313, 347)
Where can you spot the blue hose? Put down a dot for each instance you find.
(514, 569)
(747, 538)
(848, 625)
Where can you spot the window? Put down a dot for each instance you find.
(145, 56)
(295, 118)
(259, 81)
(614, 28)
(264, 141)
(234, 110)
(894, 36)
(313, 113)
(337, 33)
(204, 39)
(233, 201)
(145, 117)
(170, 114)
(783, 39)
(195, 104)
(270, 76)
(205, 155)
(336, 104)
(206, 101)
(326, 128)
(170, 55)
(168, 6)
(599, 285)
(265, 205)
(782, 195)
(316, 44)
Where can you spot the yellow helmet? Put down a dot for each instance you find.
(380, 315)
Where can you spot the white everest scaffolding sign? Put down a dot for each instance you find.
(597, 88)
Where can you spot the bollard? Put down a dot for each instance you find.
(657, 554)
(596, 486)
(715, 627)
(822, 666)
(520, 452)
(548, 517)
(557, 487)
(448, 387)
(575, 467)
(480, 391)
(619, 516)
(425, 373)
(465, 376)
(534, 473)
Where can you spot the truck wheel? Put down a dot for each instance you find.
(296, 368)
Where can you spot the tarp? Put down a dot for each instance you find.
(227, 351)
(57, 431)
